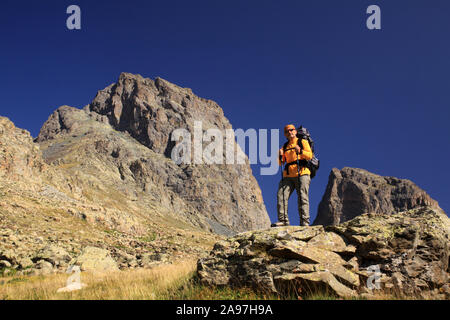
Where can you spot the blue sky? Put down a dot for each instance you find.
(373, 99)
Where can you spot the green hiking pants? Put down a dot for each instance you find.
(285, 189)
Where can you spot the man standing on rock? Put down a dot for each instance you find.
(296, 175)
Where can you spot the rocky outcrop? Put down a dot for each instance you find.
(404, 254)
(20, 159)
(63, 120)
(351, 192)
(122, 142)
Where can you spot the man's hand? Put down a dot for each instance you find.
(297, 149)
(281, 152)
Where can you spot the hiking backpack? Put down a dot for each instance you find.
(313, 164)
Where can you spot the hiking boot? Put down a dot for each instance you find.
(279, 224)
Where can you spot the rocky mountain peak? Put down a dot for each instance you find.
(352, 191)
(150, 110)
(138, 112)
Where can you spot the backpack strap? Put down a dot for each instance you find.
(299, 142)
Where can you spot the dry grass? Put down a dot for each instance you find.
(175, 281)
(192, 290)
(140, 284)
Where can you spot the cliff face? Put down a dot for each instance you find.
(121, 142)
(351, 192)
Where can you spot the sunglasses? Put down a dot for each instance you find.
(289, 130)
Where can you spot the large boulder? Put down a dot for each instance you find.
(352, 191)
(408, 250)
(96, 260)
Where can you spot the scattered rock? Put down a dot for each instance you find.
(9, 255)
(5, 264)
(57, 256)
(25, 263)
(149, 260)
(42, 267)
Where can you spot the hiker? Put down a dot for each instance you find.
(295, 175)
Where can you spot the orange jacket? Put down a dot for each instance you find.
(290, 155)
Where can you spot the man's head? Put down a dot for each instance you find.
(290, 132)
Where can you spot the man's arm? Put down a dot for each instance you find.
(306, 153)
(281, 158)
